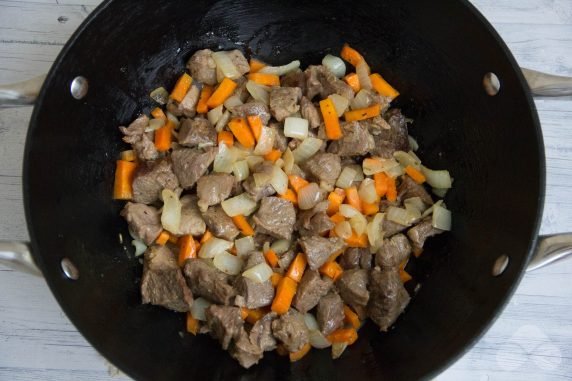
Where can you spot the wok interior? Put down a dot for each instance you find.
(435, 53)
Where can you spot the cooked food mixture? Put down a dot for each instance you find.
(278, 208)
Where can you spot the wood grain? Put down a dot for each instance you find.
(531, 340)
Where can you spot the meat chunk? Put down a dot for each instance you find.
(259, 192)
(239, 61)
(365, 260)
(162, 283)
(245, 351)
(188, 106)
(286, 259)
(295, 78)
(291, 330)
(370, 98)
(250, 109)
(197, 132)
(314, 221)
(391, 228)
(190, 164)
(352, 286)
(320, 80)
(220, 224)
(393, 251)
(151, 178)
(280, 141)
(225, 323)
(319, 249)
(275, 217)
(409, 188)
(255, 294)
(284, 101)
(203, 67)
(356, 141)
(254, 258)
(324, 167)
(387, 141)
(143, 220)
(311, 288)
(191, 220)
(141, 141)
(388, 298)
(355, 257)
(420, 232)
(310, 112)
(261, 333)
(330, 313)
(209, 282)
(214, 189)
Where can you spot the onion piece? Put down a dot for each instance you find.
(296, 128)
(406, 159)
(367, 191)
(225, 65)
(441, 218)
(415, 204)
(261, 179)
(213, 247)
(241, 204)
(228, 263)
(362, 71)
(338, 348)
(265, 142)
(359, 223)
(437, 178)
(288, 158)
(240, 170)
(155, 124)
(281, 246)
(348, 211)
(413, 143)
(139, 246)
(371, 167)
(258, 92)
(343, 229)
(335, 64)
(259, 273)
(341, 104)
(223, 121)
(224, 159)
(280, 70)
(395, 171)
(318, 340)
(359, 172)
(440, 192)
(402, 216)
(311, 322)
(171, 215)
(308, 148)
(253, 161)
(375, 231)
(198, 308)
(215, 114)
(244, 246)
(173, 119)
(309, 196)
(232, 101)
(346, 178)
(361, 100)
(430, 210)
(279, 180)
(160, 95)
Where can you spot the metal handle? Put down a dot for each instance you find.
(547, 84)
(21, 93)
(17, 256)
(550, 248)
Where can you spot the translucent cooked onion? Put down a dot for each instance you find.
(279, 180)
(375, 231)
(280, 70)
(224, 159)
(213, 247)
(346, 178)
(198, 308)
(377, 165)
(395, 171)
(259, 273)
(240, 170)
(288, 158)
(155, 124)
(258, 92)
(318, 340)
(228, 263)
(296, 128)
(437, 178)
(223, 121)
(173, 119)
(309, 196)
(232, 101)
(439, 192)
(348, 211)
(359, 223)
(405, 159)
(171, 215)
(367, 191)
(244, 246)
(265, 142)
(311, 322)
(341, 104)
(429, 211)
(338, 349)
(336, 65)
(225, 65)
(343, 229)
(160, 95)
(441, 218)
(139, 246)
(401, 216)
(362, 70)
(262, 179)
(253, 161)
(413, 143)
(361, 100)
(241, 204)
(281, 246)
(308, 148)
(415, 204)
(215, 114)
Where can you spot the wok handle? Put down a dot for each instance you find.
(547, 84)
(550, 248)
(21, 93)
(17, 256)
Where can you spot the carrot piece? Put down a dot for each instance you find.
(128, 155)
(242, 132)
(226, 137)
(265, 79)
(380, 180)
(275, 279)
(206, 93)
(297, 267)
(335, 198)
(187, 249)
(256, 65)
(192, 324)
(163, 137)
(163, 238)
(181, 87)
(273, 155)
(173, 239)
(351, 55)
(290, 195)
(271, 258)
(357, 240)
(351, 317)
(242, 224)
(363, 113)
(331, 120)
(415, 174)
(208, 235)
(285, 292)
(417, 251)
(158, 113)
(343, 335)
(295, 356)
(297, 182)
(222, 92)
(370, 209)
(353, 80)
(352, 198)
(391, 189)
(254, 315)
(255, 124)
(337, 218)
(332, 269)
(404, 276)
(123, 186)
(382, 87)
(243, 313)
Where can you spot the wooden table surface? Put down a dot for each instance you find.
(531, 340)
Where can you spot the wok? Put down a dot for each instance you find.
(436, 53)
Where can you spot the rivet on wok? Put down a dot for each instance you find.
(491, 84)
(69, 269)
(500, 265)
(79, 87)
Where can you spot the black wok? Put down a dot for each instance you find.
(435, 52)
